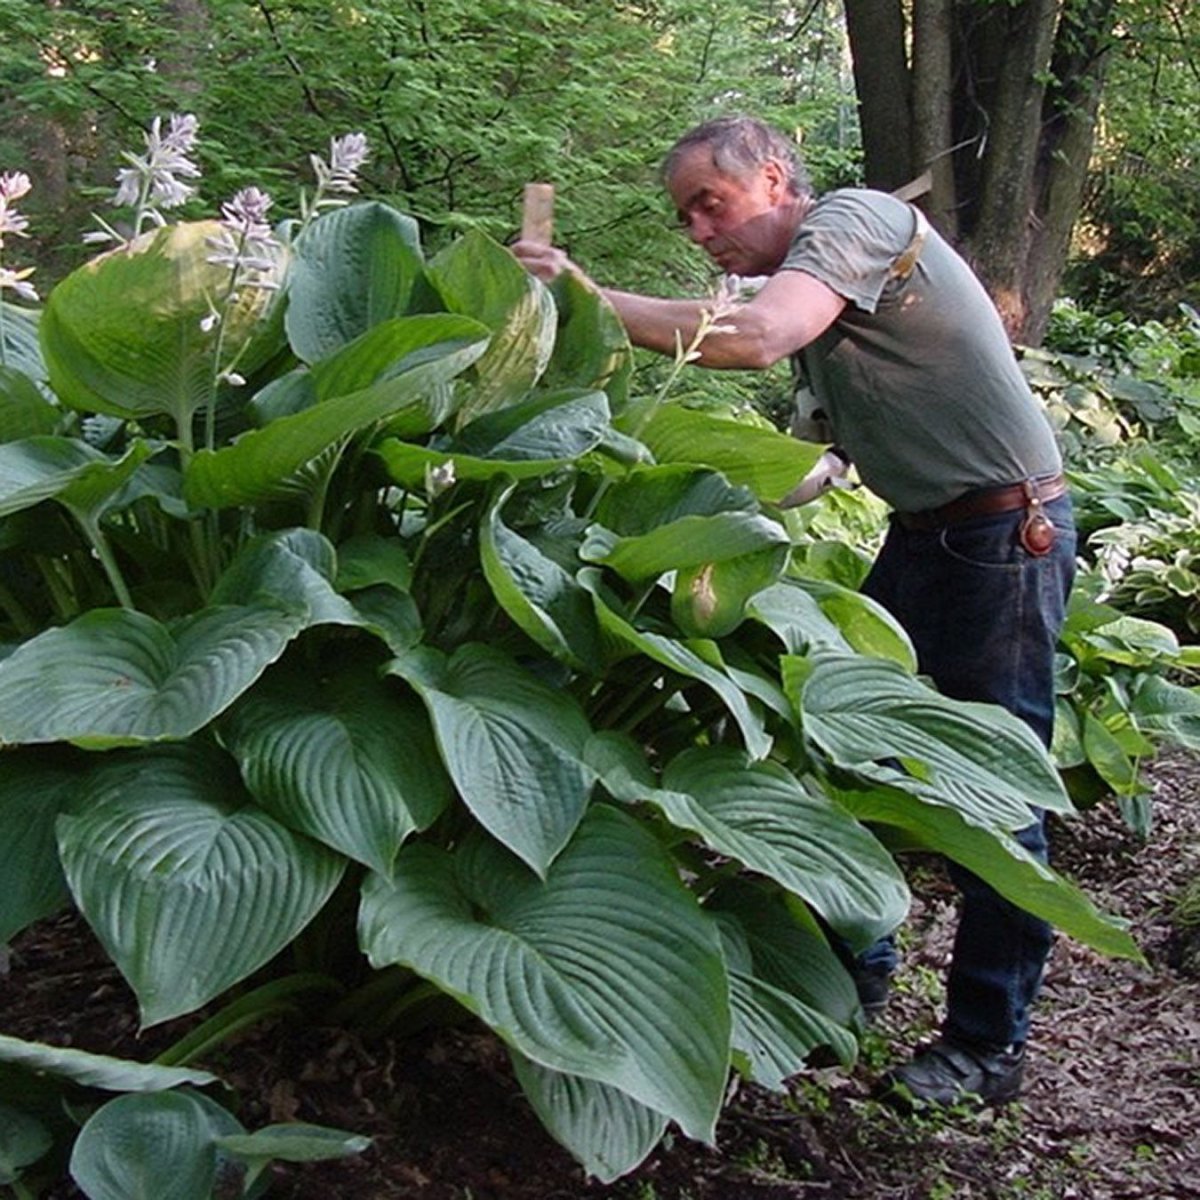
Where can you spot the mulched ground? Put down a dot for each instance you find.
(1111, 1109)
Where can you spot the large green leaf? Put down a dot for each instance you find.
(606, 1130)
(23, 1140)
(689, 542)
(513, 745)
(1168, 710)
(34, 788)
(24, 410)
(997, 859)
(19, 349)
(766, 461)
(812, 615)
(354, 268)
(188, 885)
(607, 969)
(262, 461)
(81, 477)
(774, 1032)
(342, 759)
(592, 348)
(553, 435)
(650, 497)
(766, 819)
(774, 936)
(479, 278)
(122, 333)
(872, 717)
(291, 569)
(699, 660)
(97, 1070)
(147, 1147)
(117, 677)
(539, 595)
(299, 1142)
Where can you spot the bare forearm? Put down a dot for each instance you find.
(662, 325)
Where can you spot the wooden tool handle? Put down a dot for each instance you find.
(537, 218)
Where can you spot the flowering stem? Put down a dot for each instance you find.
(99, 543)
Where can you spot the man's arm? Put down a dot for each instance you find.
(788, 312)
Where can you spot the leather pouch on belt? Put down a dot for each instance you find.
(1037, 532)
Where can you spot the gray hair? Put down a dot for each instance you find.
(740, 145)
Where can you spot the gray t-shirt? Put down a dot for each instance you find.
(917, 375)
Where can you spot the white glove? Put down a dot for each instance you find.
(829, 472)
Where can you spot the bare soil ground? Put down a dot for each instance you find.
(1111, 1109)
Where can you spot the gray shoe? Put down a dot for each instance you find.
(948, 1073)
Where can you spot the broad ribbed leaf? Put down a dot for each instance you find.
(369, 560)
(607, 1131)
(188, 885)
(607, 969)
(768, 462)
(690, 542)
(695, 661)
(774, 1033)
(810, 615)
(513, 746)
(481, 279)
(122, 333)
(97, 1070)
(772, 935)
(43, 468)
(34, 788)
(1168, 710)
(538, 594)
(862, 712)
(19, 347)
(291, 569)
(294, 1143)
(342, 759)
(354, 268)
(551, 437)
(592, 348)
(761, 815)
(151, 1146)
(651, 497)
(23, 1140)
(260, 462)
(118, 677)
(24, 410)
(999, 861)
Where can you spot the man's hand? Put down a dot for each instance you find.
(547, 263)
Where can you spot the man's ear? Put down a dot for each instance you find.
(776, 177)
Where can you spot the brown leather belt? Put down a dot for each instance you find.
(984, 502)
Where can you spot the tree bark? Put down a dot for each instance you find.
(933, 129)
(876, 31)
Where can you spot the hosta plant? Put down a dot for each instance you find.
(361, 622)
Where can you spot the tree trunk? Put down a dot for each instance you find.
(1007, 153)
(877, 38)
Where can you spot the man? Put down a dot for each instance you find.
(907, 356)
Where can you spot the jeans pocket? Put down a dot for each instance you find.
(990, 542)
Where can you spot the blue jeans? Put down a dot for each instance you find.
(984, 616)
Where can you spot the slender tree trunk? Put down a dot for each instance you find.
(877, 45)
(932, 127)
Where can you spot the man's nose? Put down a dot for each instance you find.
(699, 228)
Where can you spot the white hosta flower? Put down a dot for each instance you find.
(13, 185)
(246, 243)
(15, 281)
(209, 322)
(339, 176)
(439, 479)
(232, 378)
(154, 180)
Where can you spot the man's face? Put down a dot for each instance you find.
(743, 223)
